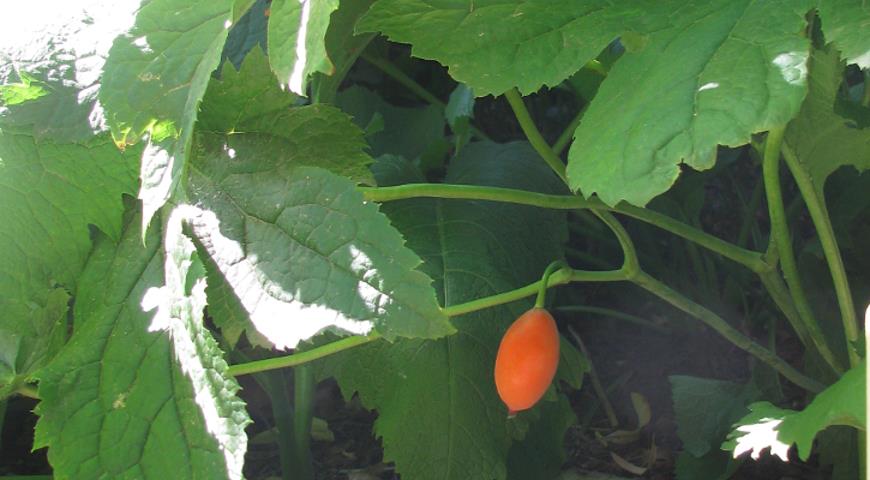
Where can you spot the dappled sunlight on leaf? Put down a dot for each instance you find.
(180, 314)
(759, 437)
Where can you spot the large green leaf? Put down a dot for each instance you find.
(300, 248)
(845, 23)
(820, 137)
(768, 426)
(125, 399)
(50, 194)
(57, 52)
(297, 49)
(719, 72)
(155, 76)
(495, 45)
(445, 387)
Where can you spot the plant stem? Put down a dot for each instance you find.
(822, 221)
(535, 138)
(781, 237)
(275, 385)
(301, 357)
(643, 280)
(607, 312)
(398, 75)
(541, 299)
(630, 262)
(560, 277)
(303, 403)
(752, 260)
(596, 382)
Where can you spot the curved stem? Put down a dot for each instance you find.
(630, 262)
(535, 138)
(822, 221)
(750, 259)
(650, 284)
(541, 300)
(781, 237)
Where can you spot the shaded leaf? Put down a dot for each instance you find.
(495, 46)
(445, 387)
(50, 194)
(845, 23)
(686, 96)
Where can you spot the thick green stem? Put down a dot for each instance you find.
(643, 280)
(27, 390)
(779, 293)
(782, 238)
(752, 260)
(822, 221)
(303, 413)
(531, 130)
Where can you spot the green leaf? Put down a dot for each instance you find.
(155, 77)
(300, 248)
(50, 194)
(495, 46)
(845, 23)
(51, 60)
(822, 139)
(407, 132)
(705, 409)
(540, 454)
(251, 115)
(842, 403)
(445, 387)
(242, 96)
(248, 32)
(344, 47)
(297, 49)
(681, 96)
(125, 400)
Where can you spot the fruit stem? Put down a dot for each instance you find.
(545, 281)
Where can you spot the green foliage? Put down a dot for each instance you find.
(50, 193)
(257, 196)
(630, 145)
(296, 41)
(472, 249)
(768, 426)
(120, 401)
